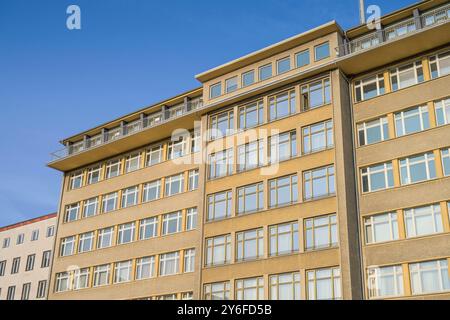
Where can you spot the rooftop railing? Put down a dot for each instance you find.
(128, 129)
(390, 33)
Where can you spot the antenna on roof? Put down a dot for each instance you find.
(362, 12)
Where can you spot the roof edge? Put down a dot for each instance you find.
(27, 222)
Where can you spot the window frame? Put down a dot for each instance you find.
(366, 172)
(330, 176)
(429, 161)
(320, 46)
(242, 239)
(309, 134)
(212, 244)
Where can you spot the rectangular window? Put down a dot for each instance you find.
(20, 238)
(189, 260)
(283, 146)
(6, 242)
(302, 58)
(11, 293)
(196, 140)
(221, 125)
(2, 268)
(81, 279)
(102, 275)
(171, 223)
(406, 76)
(321, 232)
(215, 90)
(429, 277)
(250, 289)
(109, 202)
(250, 156)
(250, 245)
(445, 154)
(440, 65)
(373, 131)
(400, 30)
(250, 198)
(381, 228)
(41, 289)
(231, 85)
(218, 250)
(411, 121)
(76, 180)
(169, 263)
(248, 78)
(177, 147)
(105, 237)
(265, 72)
(322, 51)
(282, 105)
(126, 233)
(217, 291)
(46, 258)
(72, 211)
(251, 115)
(30, 262)
(283, 65)
(417, 168)
(319, 183)
(67, 246)
(154, 155)
(221, 164)
(318, 137)
(191, 219)
(94, 174)
(324, 284)
(90, 207)
(369, 88)
(62, 282)
(377, 177)
(86, 242)
(148, 228)
(130, 196)
(35, 235)
(283, 191)
(316, 94)
(385, 282)
(145, 268)
(174, 185)
(152, 191)
(132, 162)
(219, 206)
(422, 221)
(122, 271)
(50, 231)
(193, 180)
(442, 112)
(113, 169)
(283, 239)
(285, 286)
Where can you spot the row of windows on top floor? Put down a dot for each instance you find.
(266, 71)
(405, 122)
(402, 77)
(20, 239)
(423, 277)
(314, 95)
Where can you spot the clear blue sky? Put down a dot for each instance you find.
(129, 54)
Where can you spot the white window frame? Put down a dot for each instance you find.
(436, 61)
(169, 218)
(374, 281)
(84, 239)
(133, 162)
(165, 259)
(103, 233)
(148, 223)
(398, 71)
(416, 269)
(189, 260)
(113, 166)
(377, 79)
(131, 193)
(168, 190)
(191, 219)
(365, 126)
(400, 117)
(114, 196)
(152, 185)
(122, 271)
(428, 158)
(131, 227)
(370, 222)
(443, 106)
(418, 213)
(387, 167)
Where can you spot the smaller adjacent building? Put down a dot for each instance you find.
(25, 258)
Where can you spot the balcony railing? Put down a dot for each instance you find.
(148, 121)
(424, 21)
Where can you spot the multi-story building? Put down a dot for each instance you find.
(25, 258)
(268, 182)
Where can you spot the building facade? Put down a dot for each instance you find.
(315, 168)
(25, 258)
